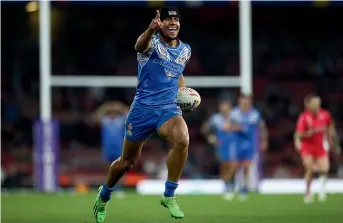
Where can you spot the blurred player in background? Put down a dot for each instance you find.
(218, 130)
(161, 58)
(311, 140)
(243, 151)
(111, 116)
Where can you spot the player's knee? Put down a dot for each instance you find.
(233, 166)
(181, 141)
(122, 164)
(246, 169)
(323, 169)
(127, 164)
(308, 169)
(246, 164)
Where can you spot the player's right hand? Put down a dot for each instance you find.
(156, 22)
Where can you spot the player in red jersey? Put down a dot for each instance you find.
(314, 132)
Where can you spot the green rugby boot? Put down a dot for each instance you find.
(99, 208)
(170, 203)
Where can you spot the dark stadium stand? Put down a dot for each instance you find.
(288, 64)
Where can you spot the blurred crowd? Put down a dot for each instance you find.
(292, 56)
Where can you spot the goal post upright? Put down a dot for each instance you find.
(245, 46)
(45, 130)
(45, 60)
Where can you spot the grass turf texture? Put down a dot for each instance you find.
(67, 208)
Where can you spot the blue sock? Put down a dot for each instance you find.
(106, 192)
(244, 190)
(229, 186)
(170, 188)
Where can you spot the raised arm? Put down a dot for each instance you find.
(143, 43)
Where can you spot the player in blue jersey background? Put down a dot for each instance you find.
(161, 59)
(111, 116)
(251, 135)
(219, 133)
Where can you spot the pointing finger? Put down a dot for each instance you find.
(157, 14)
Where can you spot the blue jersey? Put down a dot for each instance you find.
(112, 131)
(224, 138)
(217, 123)
(249, 121)
(159, 70)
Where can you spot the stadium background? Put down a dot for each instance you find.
(297, 49)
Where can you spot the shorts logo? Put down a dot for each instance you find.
(129, 128)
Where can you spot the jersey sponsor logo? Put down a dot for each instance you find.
(168, 65)
(171, 70)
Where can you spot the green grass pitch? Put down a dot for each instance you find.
(67, 208)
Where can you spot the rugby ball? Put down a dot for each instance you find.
(188, 99)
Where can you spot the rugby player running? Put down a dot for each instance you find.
(161, 58)
(314, 131)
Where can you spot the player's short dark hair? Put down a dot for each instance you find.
(309, 97)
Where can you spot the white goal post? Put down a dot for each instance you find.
(48, 80)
